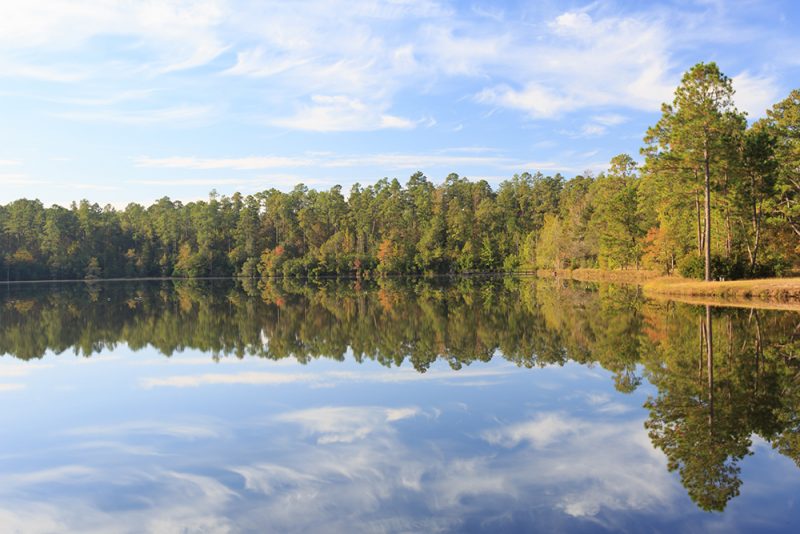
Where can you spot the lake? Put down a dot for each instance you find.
(468, 405)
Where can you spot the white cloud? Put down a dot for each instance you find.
(49, 73)
(257, 62)
(172, 115)
(609, 119)
(89, 186)
(586, 63)
(178, 34)
(553, 166)
(457, 49)
(413, 161)
(194, 182)
(755, 94)
(176, 429)
(592, 130)
(106, 100)
(246, 163)
(572, 23)
(341, 113)
(451, 159)
(347, 75)
(538, 101)
(46, 476)
(19, 179)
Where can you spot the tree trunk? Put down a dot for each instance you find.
(756, 205)
(699, 224)
(710, 363)
(707, 236)
(728, 235)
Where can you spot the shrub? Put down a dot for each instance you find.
(721, 268)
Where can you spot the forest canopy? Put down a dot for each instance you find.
(715, 197)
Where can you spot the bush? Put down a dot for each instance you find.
(721, 268)
(510, 263)
(295, 268)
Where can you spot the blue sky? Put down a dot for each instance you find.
(120, 101)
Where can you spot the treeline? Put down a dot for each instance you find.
(715, 197)
(458, 226)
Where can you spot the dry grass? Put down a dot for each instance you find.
(630, 276)
(773, 293)
(772, 289)
(729, 302)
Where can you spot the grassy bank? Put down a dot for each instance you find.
(771, 289)
(628, 276)
(779, 293)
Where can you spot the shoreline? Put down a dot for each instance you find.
(766, 293)
(774, 293)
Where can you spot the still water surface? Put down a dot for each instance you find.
(473, 405)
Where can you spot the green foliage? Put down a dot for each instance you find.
(656, 215)
(721, 268)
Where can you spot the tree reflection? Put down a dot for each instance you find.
(704, 446)
(722, 375)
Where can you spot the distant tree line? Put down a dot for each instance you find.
(715, 197)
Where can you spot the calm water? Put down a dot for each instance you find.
(479, 405)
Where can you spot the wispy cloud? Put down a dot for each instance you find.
(319, 379)
(609, 119)
(330, 160)
(175, 429)
(19, 179)
(414, 161)
(587, 62)
(177, 34)
(246, 163)
(755, 94)
(341, 113)
(249, 378)
(23, 180)
(387, 84)
(342, 424)
(171, 115)
(478, 162)
(45, 476)
(245, 183)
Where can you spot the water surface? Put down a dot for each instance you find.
(468, 405)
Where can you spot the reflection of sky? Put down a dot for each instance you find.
(129, 442)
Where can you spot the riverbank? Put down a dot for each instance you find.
(769, 289)
(784, 293)
(628, 276)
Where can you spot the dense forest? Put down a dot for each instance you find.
(720, 377)
(715, 197)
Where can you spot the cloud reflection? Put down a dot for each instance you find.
(327, 379)
(335, 468)
(346, 424)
